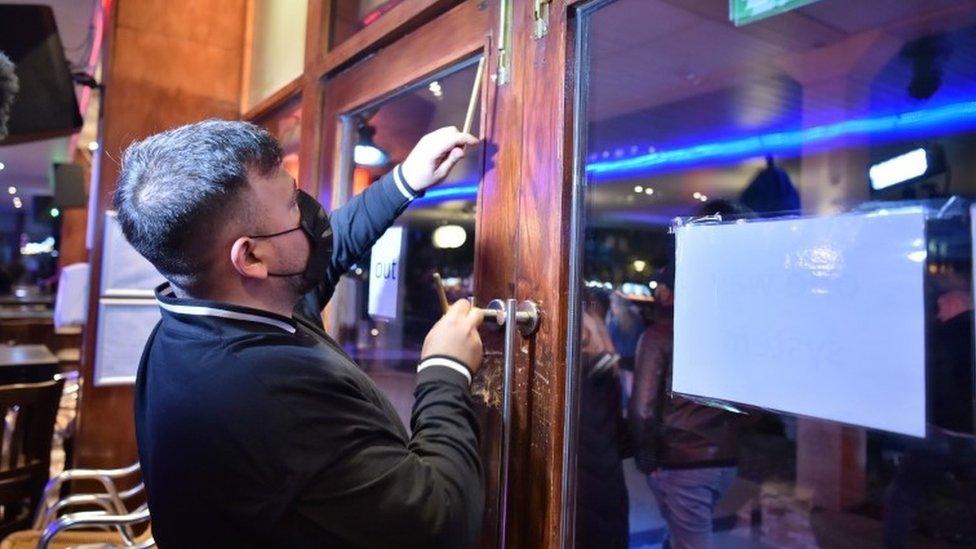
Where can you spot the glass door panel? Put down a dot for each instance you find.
(285, 122)
(823, 109)
(436, 232)
(352, 16)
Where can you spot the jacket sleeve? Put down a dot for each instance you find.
(358, 223)
(374, 488)
(356, 226)
(650, 362)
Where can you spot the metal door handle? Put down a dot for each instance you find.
(526, 315)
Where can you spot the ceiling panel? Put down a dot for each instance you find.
(627, 24)
(857, 16)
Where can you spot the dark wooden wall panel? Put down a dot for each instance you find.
(167, 62)
(74, 225)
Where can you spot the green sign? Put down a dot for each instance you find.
(743, 12)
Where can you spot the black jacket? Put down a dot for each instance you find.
(950, 382)
(257, 430)
(669, 431)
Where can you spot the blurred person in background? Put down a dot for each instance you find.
(6, 281)
(602, 516)
(688, 451)
(950, 447)
(625, 325)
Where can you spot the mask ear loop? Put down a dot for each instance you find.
(286, 231)
(299, 227)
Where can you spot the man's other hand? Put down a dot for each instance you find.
(433, 157)
(456, 335)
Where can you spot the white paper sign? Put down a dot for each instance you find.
(124, 326)
(125, 273)
(818, 317)
(384, 274)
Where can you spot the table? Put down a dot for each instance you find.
(38, 299)
(27, 363)
(14, 314)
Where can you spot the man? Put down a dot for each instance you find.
(254, 428)
(601, 491)
(688, 450)
(950, 446)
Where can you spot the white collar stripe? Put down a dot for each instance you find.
(198, 310)
(400, 184)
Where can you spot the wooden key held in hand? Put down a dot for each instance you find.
(473, 101)
(441, 294)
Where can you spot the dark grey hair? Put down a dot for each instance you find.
(8, 89)
(176, 187)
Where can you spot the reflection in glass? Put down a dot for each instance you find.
(352, 16)
(814, 111)
(285, 123)
(385, 334)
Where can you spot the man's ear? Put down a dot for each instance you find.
(246, 262)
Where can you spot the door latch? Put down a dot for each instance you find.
(540, 18)
(516, 318)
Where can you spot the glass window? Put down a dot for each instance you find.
(436, 234)
(352, 16)
(285, 123)
(277, 47)
(827, 108)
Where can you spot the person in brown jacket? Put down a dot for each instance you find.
(687, 450)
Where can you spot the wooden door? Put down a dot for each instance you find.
(521, 216)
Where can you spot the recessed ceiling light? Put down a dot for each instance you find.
(12, 190)
(648, 191)
(93, 146)
(2, 166)
(697, 196)
(638, 189)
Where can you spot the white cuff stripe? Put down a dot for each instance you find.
(604, 362)
(447, 363)
(401, 185)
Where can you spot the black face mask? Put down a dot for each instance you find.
(315, 224)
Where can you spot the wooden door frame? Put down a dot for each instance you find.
(544, 70)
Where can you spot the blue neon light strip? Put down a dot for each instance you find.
(919, 120)
(458, 192)
(915, 121)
